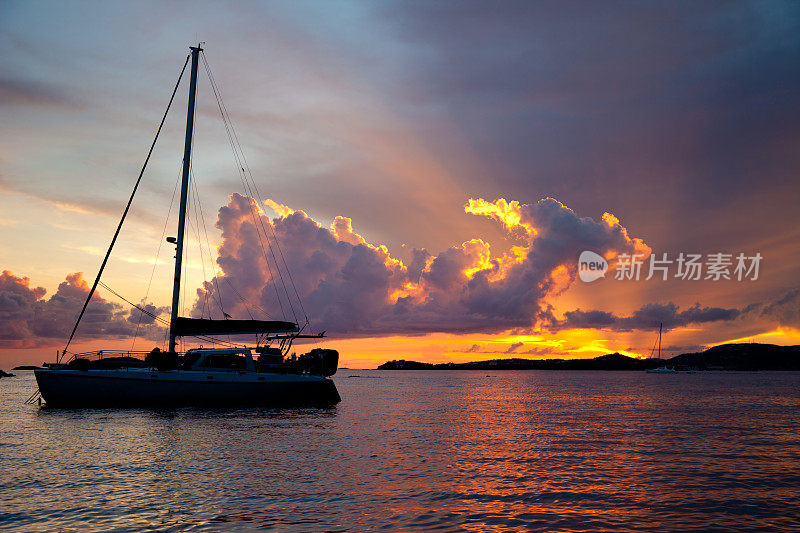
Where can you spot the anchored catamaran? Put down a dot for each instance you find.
(210, 376)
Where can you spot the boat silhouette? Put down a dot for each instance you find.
(200, 376)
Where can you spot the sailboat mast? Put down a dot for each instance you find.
(660, 325)
(187, 157)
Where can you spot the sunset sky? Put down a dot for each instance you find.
(432, 171)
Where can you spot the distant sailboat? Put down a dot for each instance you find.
(210, 376)
(662, 369)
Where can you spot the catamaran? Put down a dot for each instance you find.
(232, 375)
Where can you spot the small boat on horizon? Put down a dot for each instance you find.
(229, 375)
(662, 369)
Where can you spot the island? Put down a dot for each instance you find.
(735, 357)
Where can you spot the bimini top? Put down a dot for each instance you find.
(187, 327)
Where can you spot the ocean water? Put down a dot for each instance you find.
(421, 451)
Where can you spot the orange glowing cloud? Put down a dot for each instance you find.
(356, 288)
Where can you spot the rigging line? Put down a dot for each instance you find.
(127, 208)
(257, 196)
(289, 272)
(254, 192)
(158, 318)
(257, 221)
(228, 126)
(247, 304)
(653, 349)
(199, 207)
(143, 310)
(205, 307)
(234, 140)
(208, 246)
(243, 177)
(194, 225)
(158, 253)
(242, 298)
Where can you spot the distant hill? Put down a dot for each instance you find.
(612, 361)
(749, 356)
(723, 357)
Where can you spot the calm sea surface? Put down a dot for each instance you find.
(421, 451)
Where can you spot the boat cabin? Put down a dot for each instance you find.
(220, 359)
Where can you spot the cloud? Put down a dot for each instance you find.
(342, 229)
(278, 209)
(514, 347)
(15, 91)
(783, 311)
(351, 287)
(290, 267)
(681, 348)
(28, 320)
(647, 317)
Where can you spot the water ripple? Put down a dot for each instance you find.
(420, 451)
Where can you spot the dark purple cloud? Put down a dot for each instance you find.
(28, 320)
(647, 317)
(782, 311)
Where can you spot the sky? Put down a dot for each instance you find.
(431, 171)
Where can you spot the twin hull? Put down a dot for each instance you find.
(147, 387)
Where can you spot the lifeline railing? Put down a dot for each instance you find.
(33, 398)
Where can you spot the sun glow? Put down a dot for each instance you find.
(780, 335)
(507, 213)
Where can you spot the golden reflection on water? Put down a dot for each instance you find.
(523, 451)
(460, 451)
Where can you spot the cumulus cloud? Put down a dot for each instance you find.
(352, 287)
(29, 320)
(290, 267)
(342, 229)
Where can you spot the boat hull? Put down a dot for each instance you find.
(661, 370)
(145, 387)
